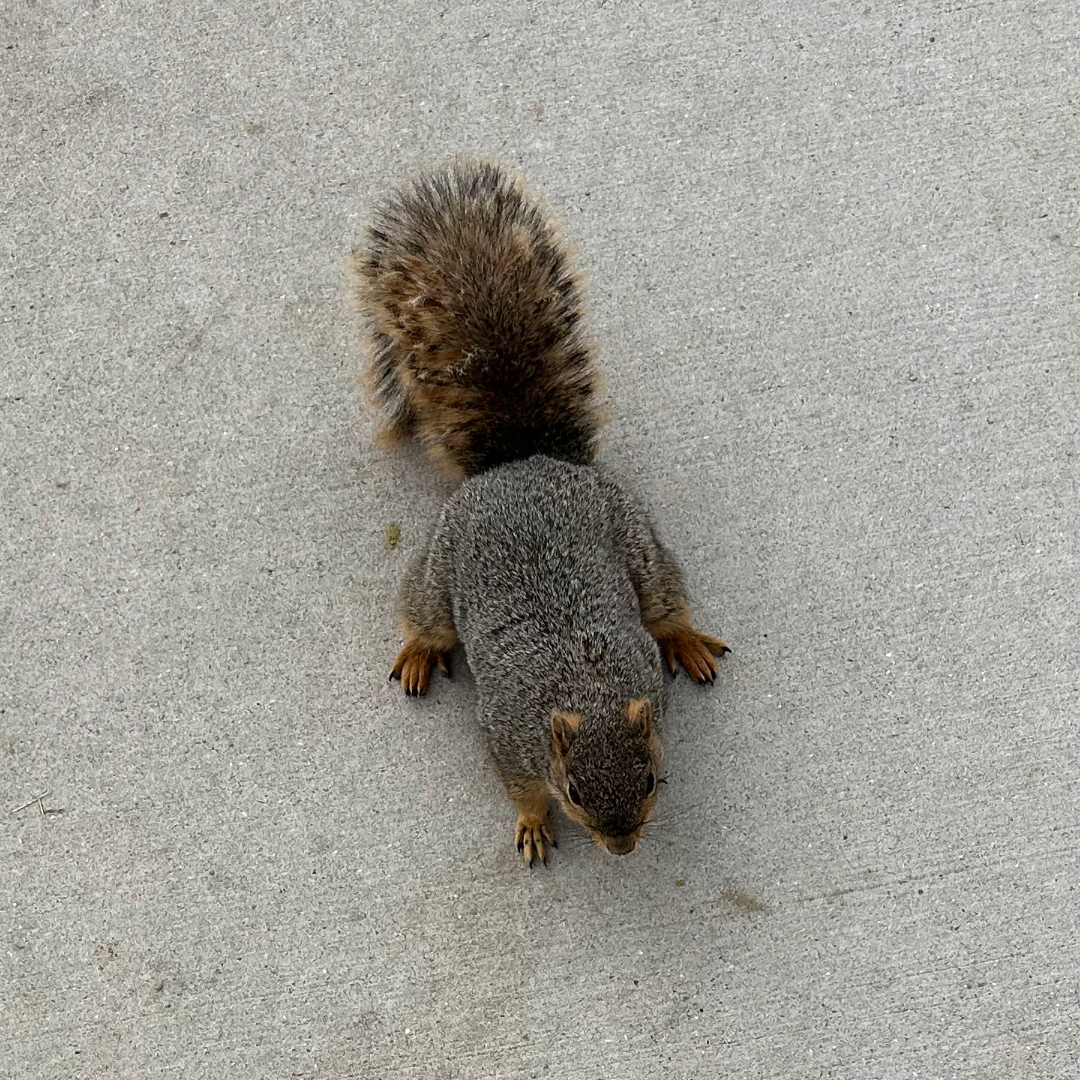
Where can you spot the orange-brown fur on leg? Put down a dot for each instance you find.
(413, 666)
(666, 616)
(533, 830)
(426, 647)
(661, 593)
(681, 644)
(426, 617)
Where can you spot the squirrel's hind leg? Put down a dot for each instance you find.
(427, 624)
(665, 611)
(666, 615)
(681, 644)
(415, 663)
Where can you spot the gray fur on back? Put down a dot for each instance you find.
(544, 604)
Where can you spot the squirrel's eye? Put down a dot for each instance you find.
(650, 784)
(572, 794)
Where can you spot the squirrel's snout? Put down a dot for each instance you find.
(621, 845)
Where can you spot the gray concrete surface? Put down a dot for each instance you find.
(833, 259)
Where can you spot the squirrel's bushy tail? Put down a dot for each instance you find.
(474, 308)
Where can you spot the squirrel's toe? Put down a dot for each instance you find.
(531, 840)
(696, 652)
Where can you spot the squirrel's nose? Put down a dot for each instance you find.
(621, 845)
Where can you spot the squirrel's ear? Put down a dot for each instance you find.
(639, 713)
(564, 726)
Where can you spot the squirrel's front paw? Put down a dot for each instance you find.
(531, 835)
(695, 651)
(414, 665)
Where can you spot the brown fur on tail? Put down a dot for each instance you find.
(473, 309)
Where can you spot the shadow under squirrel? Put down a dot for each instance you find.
(549, 575)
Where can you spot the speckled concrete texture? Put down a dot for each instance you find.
(832, 256)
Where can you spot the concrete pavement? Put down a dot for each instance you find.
(833, 262)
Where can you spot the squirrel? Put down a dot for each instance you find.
(547, 573)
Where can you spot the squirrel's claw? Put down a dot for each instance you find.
(714, 645)
(414, 665)
(695, 652)
(531, 838)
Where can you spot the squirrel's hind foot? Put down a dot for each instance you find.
(414, 665)
(696, 652)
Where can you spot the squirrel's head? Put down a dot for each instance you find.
(604, 772)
